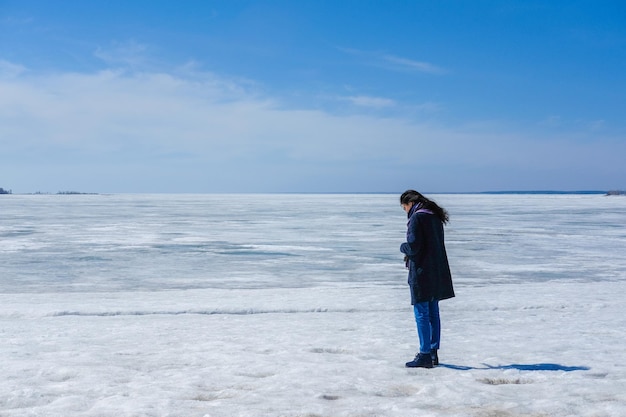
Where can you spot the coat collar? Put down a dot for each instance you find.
(418, 208)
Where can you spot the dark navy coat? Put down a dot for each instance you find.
(429, 271)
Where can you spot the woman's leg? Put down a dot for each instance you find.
(435, 325)
(424, 328)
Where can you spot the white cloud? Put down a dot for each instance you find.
(551, 121)
(597, 125)
(412, 65)
(428, 107)
(17, 20)
(395, 63)
(115, 110)
(130, 53)
(214, 132)
(367, 101)
(10, 70)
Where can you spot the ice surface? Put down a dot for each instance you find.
(296, 305)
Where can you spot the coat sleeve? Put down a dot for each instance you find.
(413, 243)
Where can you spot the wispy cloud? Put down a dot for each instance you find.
(130, 53)
(10, 70)
(405, 64)
(395, 63)
(551, 122)
(597, 125)
(16, 20)
(368, 101)
(557, 122)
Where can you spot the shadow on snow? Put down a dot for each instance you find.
(521, 367)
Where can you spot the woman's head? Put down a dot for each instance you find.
(411, 197)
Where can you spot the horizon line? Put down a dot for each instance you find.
(547, 192)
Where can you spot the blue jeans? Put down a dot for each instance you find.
(428, 325)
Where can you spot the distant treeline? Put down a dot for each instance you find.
(616, 192)
(66, 193)
(3, 191)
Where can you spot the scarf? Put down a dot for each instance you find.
(418, 208)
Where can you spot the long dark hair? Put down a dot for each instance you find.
(412, 196)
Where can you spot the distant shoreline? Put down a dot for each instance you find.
(508, 192)
(542, 192)
(545, 192)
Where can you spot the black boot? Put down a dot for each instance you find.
(422, 360)
(435, 357)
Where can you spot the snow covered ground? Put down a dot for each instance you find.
(545, 349)
(526, 335)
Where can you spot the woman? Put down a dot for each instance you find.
(429, 272)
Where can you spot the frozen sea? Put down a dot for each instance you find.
(297, 305)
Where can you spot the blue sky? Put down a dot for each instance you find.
(312, 96)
